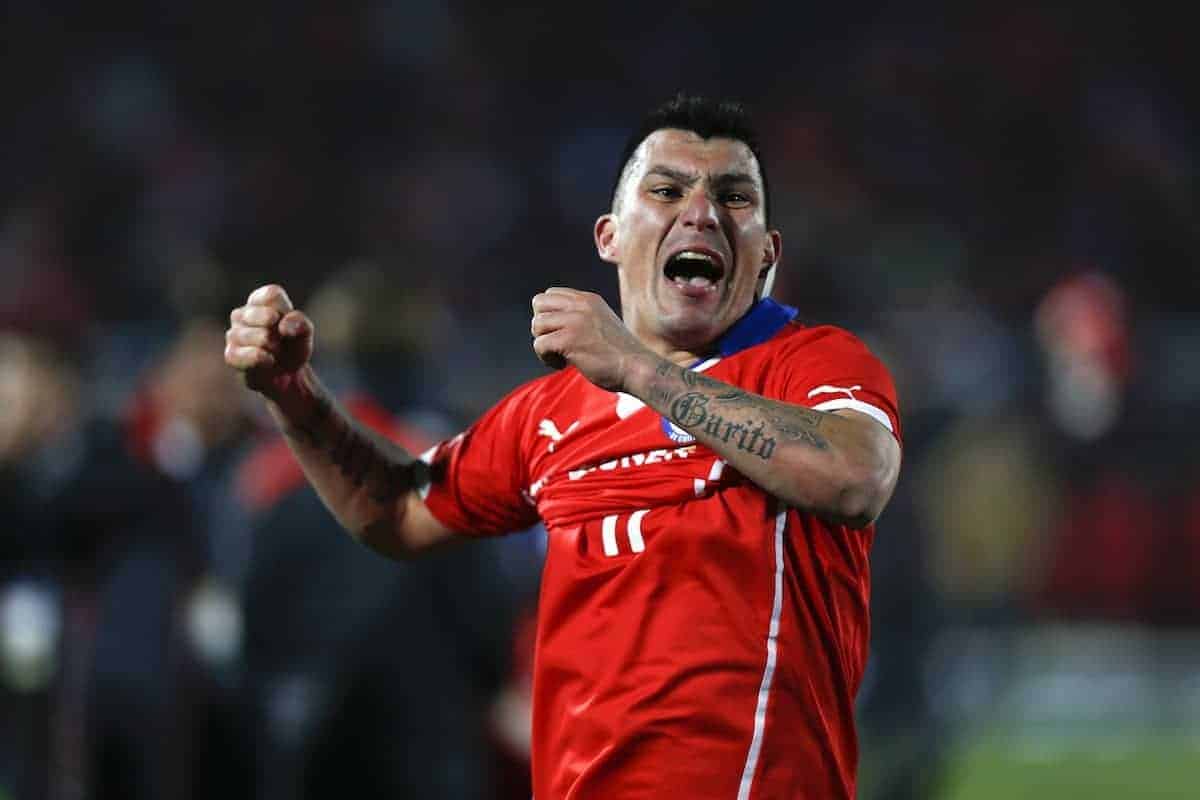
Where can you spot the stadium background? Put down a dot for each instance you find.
(1001, 200)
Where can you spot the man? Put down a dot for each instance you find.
(708, 472)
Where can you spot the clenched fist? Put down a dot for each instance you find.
(269, 341)
(570, 326)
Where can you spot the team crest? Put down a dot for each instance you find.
(675, 433)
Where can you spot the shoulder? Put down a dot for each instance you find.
(545, 388)
(535, 399)
(817, 342)
(828, 367)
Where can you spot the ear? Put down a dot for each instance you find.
(772, 252)
(773, 248)
(605, 234)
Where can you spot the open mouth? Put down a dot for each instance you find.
(694, 268)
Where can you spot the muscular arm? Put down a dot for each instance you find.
(841, 465)
(367, 481)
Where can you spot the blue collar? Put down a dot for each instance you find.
(761, 322)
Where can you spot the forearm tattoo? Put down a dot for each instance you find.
(750, 423)
(356, 455)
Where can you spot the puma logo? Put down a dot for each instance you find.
(547, 428)
(826, 389)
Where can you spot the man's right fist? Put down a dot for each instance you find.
(268, 341)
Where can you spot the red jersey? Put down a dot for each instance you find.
(696, 639)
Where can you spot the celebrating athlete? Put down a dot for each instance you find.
(707, 468)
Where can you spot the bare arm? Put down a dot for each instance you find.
(366, 480)
(841, 465)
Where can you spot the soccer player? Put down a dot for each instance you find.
(708, 470)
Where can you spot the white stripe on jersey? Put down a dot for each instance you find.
(718, 467)
(764, 689)
(608, 532)
(636, 543)
(857, 405)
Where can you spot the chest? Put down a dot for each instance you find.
(593, 454)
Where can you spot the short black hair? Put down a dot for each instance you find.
(706, 117)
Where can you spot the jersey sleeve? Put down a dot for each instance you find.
(477, 479)
(837, 371)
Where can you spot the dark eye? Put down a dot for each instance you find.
(667, 192)
(736, 199)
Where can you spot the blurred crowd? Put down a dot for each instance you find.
(1001, 200)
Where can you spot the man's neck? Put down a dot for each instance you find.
(759, 323)
(682, 357)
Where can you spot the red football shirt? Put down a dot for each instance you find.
(696, 639)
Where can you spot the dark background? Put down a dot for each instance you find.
(1001, 200)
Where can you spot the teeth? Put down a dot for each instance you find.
(694, 276)
(697, 281)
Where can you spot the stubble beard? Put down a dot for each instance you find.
(687, 329)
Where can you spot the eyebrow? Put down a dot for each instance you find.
(689, 178)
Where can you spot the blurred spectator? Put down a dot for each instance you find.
(41, 453)
(1081, 325)
(986, 492)
(1113, 519)
(148, 515)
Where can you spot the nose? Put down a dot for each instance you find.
(700, 212)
